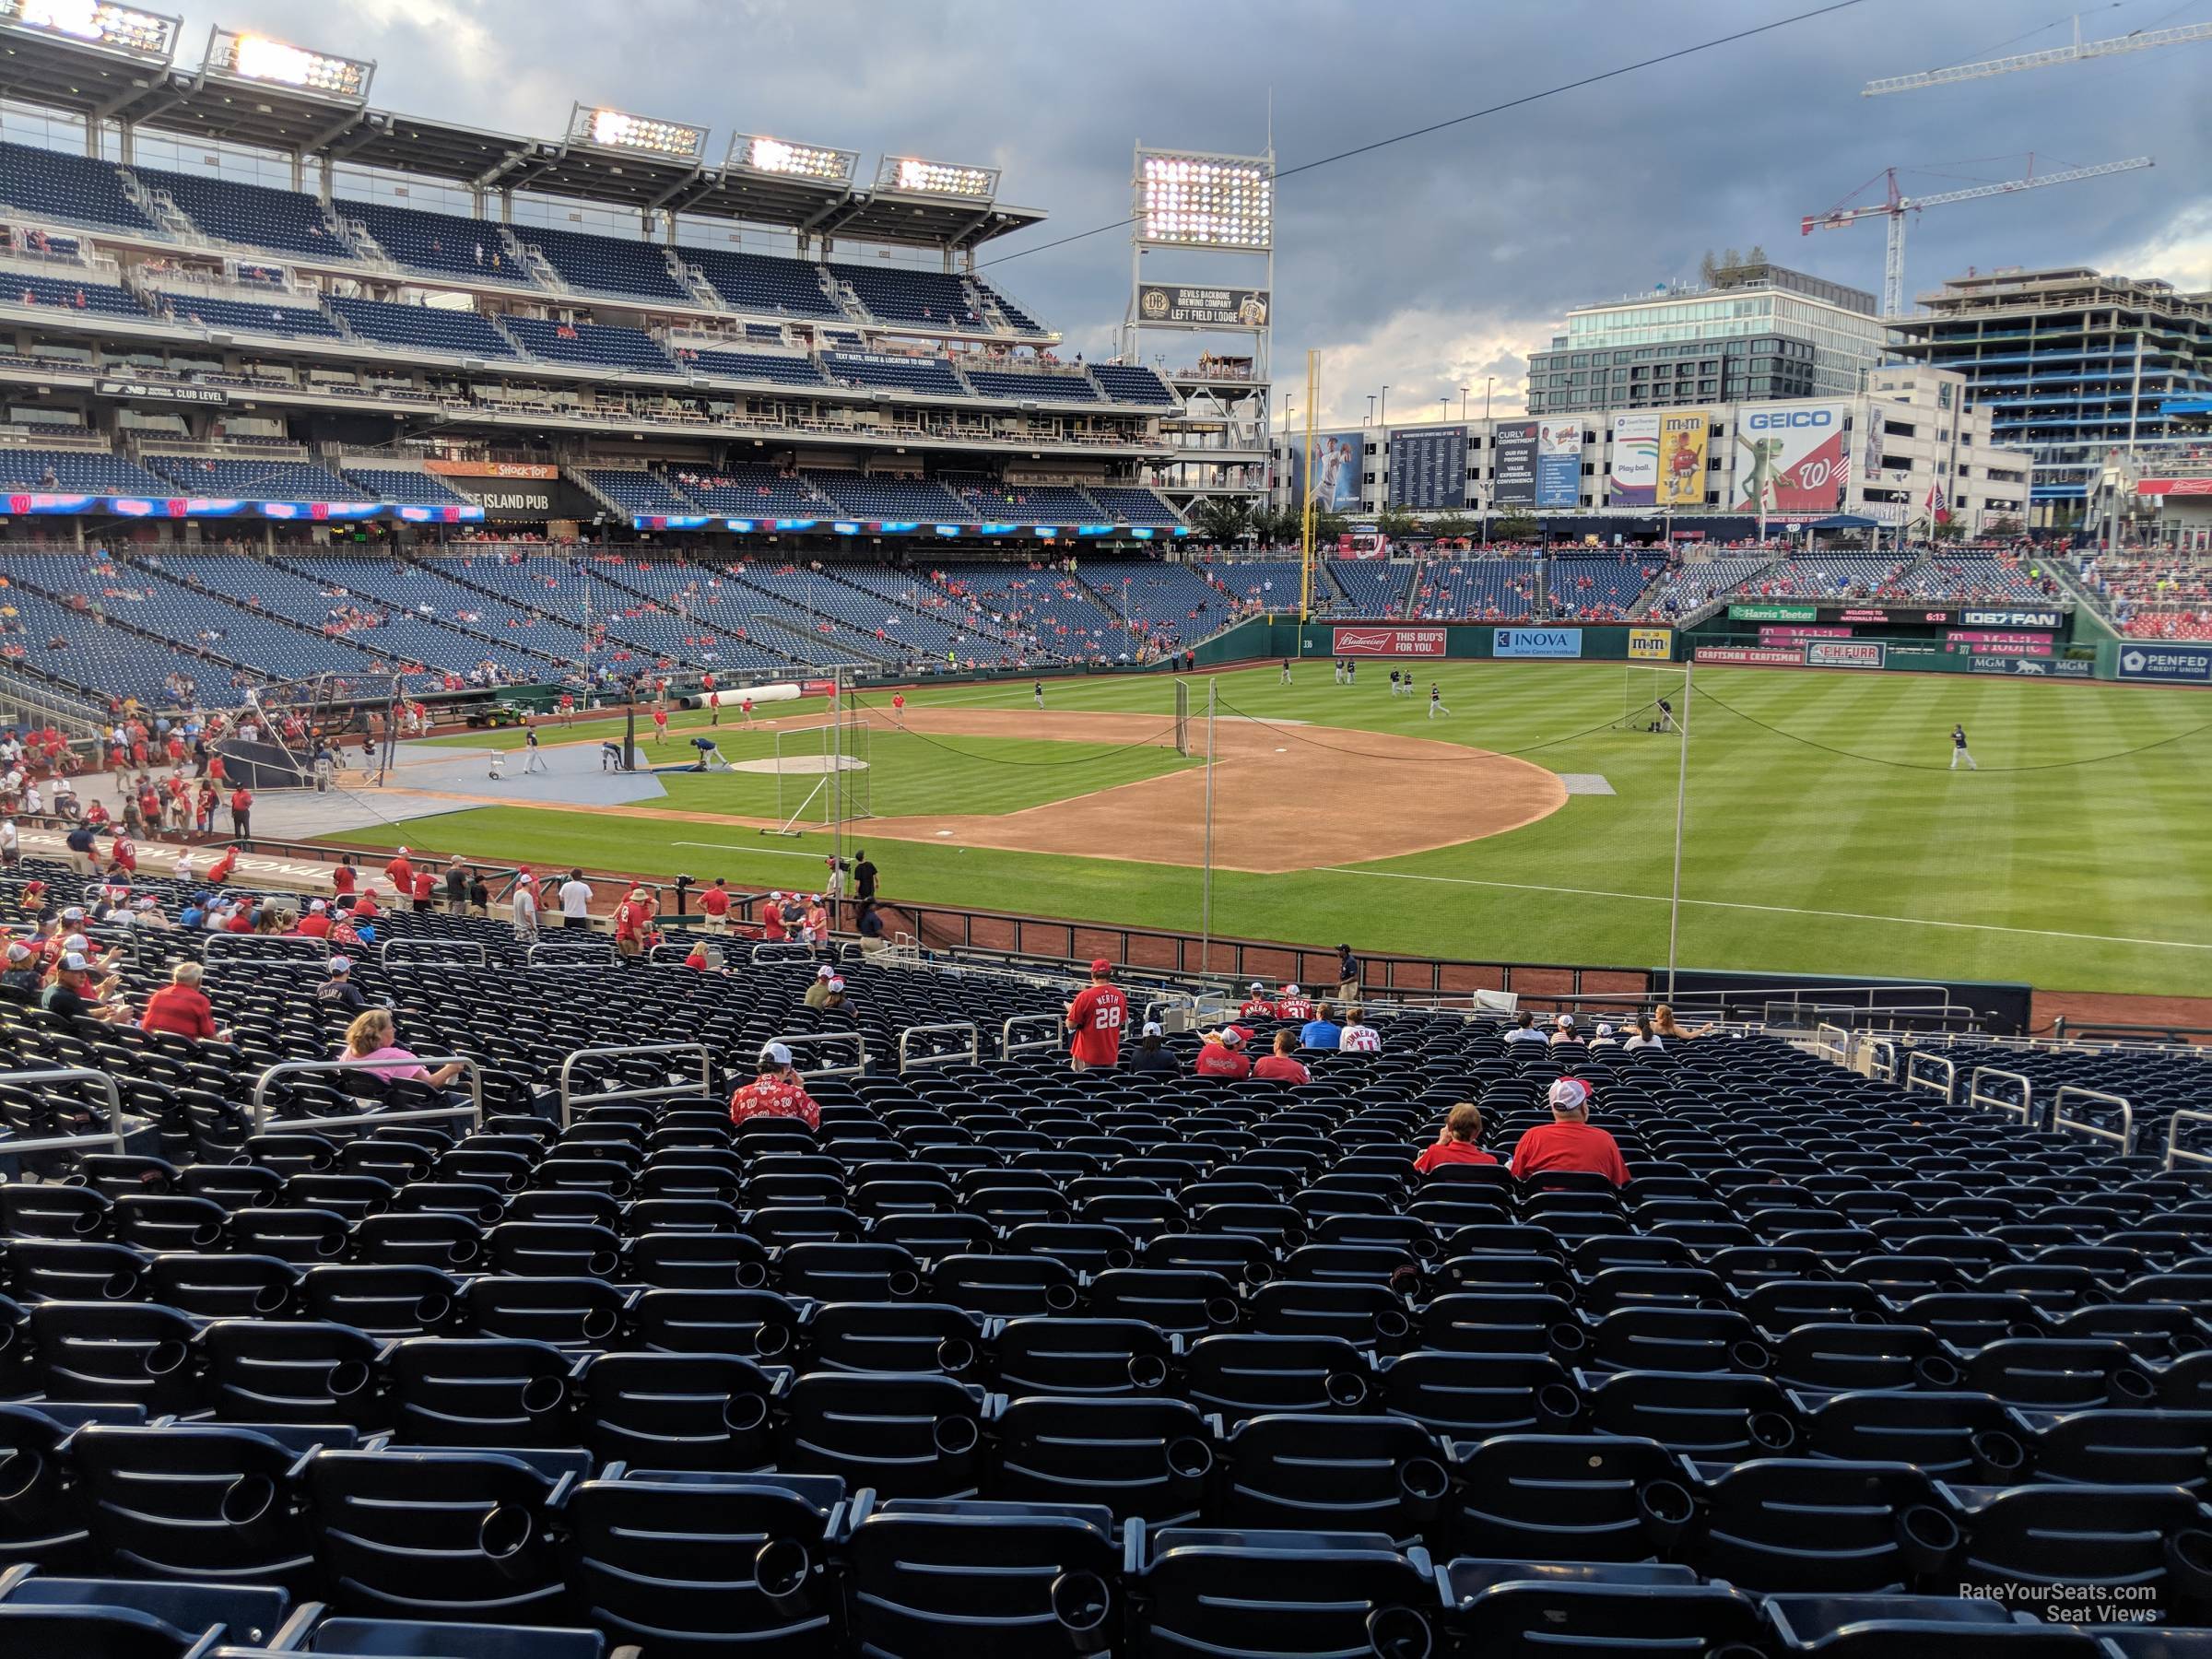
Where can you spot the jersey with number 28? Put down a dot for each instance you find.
(1099, 1014)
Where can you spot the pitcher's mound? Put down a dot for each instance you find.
(801, 765)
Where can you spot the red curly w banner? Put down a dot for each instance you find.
(1388, 641)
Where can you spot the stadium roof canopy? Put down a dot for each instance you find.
(138, 84)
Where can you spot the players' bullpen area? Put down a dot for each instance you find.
(1825, 833)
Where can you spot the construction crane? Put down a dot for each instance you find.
(2080, 51)
(1896, 204)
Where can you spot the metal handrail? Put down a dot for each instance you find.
(434, 950)
(1914, 1081)
(908, 1061)
(112, 1137)
(2024, 1108)
(1839, 1048)
(579, 954)
(2124, 1138)
(1009, 1047)
(814, 1039)
(316, 951)
(471, 1069)
(1881, 1058)
(782, 950)
(2176, 1154)
(569, 1100)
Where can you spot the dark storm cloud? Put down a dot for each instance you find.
(1431, 260)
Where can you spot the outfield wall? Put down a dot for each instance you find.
(1446, 641)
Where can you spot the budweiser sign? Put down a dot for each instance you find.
(1388, 641)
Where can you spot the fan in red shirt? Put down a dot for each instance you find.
(1570, 1141)
(1463, 1128)
(1257, 1005)
(342, 879)
(124, 855)
(1281, 1066)
(1222, 1054)
(1097, 1017)
(219, 871)
(181, 1008)
(771, 920)
(1292, 1005)
(424, 891)
(401, 874)
(633, 921)
(714, 905)
(776, 1092)
(660, 725)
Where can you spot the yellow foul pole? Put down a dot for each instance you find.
(1305, 576)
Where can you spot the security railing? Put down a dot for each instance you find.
(373, 1116)
(110, 1138)
(2122, 1137)
(2023, 1108)
(808, 1041)
(2177, 1154)
(569, 1099)
(910, 1061)
(1009, 1045)
(1920, 1062)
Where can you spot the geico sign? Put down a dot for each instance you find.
(1790, 417)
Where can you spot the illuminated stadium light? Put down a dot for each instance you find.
(257, 58)
(119, 28)
(756, 152)
(1204, 201)
(647, 134)
(910, 175)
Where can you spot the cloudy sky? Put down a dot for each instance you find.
(1428, 266)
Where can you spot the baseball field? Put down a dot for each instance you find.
(1825, 831)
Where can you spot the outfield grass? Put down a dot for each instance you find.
(1835, 842)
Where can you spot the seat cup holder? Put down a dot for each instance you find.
(1081, 1604)
(504, 1533)
(206, 1235)
(1190, 1458)
(2125, 1388)
(1933, 1371)
(1771, 1431)
(1557, 1402)
(119, 1287)
(1115, 1257)
(1220, 1312)
(602, 1263)
(1665, 1509)
(346, 1378)
(1568, 1338)
(2024, 1328)
(1148, 1370)
(332, 1248)
(955, 1354)
(433, 1310)
(745, 1413)
(1392, 1325)
(1346, 1389)
(544, 1394)
(1424, 1482)
(955, 1436)
(247, 1499)
(903, 1285)
(2189, 1562)
(89, 1225)
(1060, 1298)
(21, 1470)
(751, 1275)
(1748, 1356)
(271, 1299)
(1399, 1633)
(1926, 1538)
(1258, 1273)
(599, 1323)
(165, 1359)
(1999, 1455)
(770, 1339)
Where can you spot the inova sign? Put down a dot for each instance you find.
(1537, 641)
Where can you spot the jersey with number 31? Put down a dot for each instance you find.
(1099, 1015)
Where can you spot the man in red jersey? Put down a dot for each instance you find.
(1222, 1054)
(1570, 1141)
(776, 1092)
(1257, 1006)
(1097, 1017)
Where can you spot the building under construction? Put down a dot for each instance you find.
(2072, 366)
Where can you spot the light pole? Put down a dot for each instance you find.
(1370, 410)
(1488, 381)
(1462, 402)
(1386, 421)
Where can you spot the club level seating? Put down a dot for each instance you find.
(406, 486)
(591, 344)
(882, 497)
(902, 294)
(1371, 587)
(930, 375)
(605, 265)
(256, 480)
(71, 189)
(76, 471)
(760, 282)
(636, 490)
(752, 492)
(1033, 388)
(240, 316)
(249, 216)
(425, 327)
(100, 299)
(767, 333)
(784, 369)
(1133, 384)
(1126, 504)
(444, 244)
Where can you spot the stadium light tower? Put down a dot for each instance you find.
(235, 55)
(610, 129)
(120, 28)
(1213, 213)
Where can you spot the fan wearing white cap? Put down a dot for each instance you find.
(340, 991)
(1221, 1054)
(315, 924)
(773, 930)
(1293, 1004)
(1571, 1141)
(22, 971)
(74, 994)
(777, 1092)
(1257, 1003)
(818, 993)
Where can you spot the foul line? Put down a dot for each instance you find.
(1778, 909)
(742, 847)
